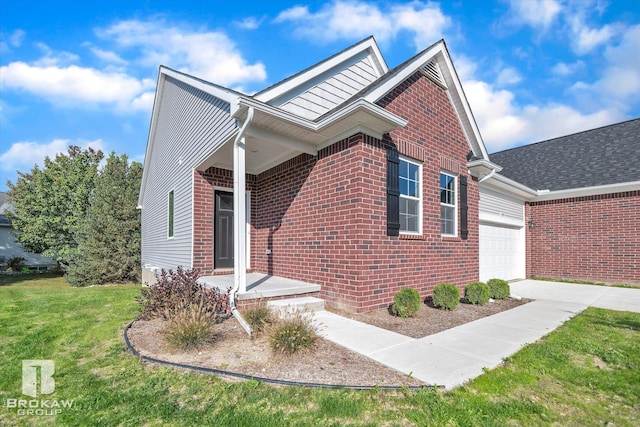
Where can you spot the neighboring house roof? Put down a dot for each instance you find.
(599, 157)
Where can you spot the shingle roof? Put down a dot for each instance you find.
(606, 155)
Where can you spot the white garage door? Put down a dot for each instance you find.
(502, 253)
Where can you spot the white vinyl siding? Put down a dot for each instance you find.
(448, 205)
(501, 209)
(330, 90)
(410, 183)
(189, 124)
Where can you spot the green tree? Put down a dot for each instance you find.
(51, 203)
(109, 239)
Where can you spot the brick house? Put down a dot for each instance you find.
(349, 178)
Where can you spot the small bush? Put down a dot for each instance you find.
(406, 303)
(174, 291)
(258, 318)
(499, 289)
(446, 295)
(293, 333)
(15, 263)
(476, 293)
(190, 326)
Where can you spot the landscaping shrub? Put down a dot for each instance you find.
(446, 295)
(406, 303)
(499, 289)
(15, 263)
(175, 291)
(190, 325)
(476, 293)
(258, 317)
(295, 332)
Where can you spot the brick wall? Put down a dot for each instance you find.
(324, 217)
(591, 238)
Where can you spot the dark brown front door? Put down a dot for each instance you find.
(223, 230)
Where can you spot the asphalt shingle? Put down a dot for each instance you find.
(602, 156)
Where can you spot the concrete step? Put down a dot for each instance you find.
(290, 304)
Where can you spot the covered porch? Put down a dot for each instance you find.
(268, 137)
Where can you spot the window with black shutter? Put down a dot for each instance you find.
(393, 192)
(464, 208)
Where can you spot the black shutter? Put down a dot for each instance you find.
(393, 192)
(464, 208)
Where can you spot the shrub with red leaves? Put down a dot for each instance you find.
(176, 290)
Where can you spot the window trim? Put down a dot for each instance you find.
(454, 206)
(420, 197)
(171, 214)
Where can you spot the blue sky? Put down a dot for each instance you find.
(84, 72)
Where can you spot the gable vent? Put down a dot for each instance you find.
(432, 70)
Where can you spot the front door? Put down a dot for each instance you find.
(223, 230)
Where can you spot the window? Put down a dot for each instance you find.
(447, 204)
(410, 196)
(170, 215)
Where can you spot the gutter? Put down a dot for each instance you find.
(236, 283)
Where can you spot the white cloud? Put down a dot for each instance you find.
(16, 38)
(68, 86)
(50, 57)
(207, 54)
(108, 56)
(24, 155)
(505, 123)
(539, 14)
(563, 69)
(619, 84)
(250, 23)
(508, 76)
(358, 19)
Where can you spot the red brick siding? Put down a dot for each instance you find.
(593, 238)
(324, 216)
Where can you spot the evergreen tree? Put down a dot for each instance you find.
(51, 203)
(109, 239)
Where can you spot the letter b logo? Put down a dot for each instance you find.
(30, 377)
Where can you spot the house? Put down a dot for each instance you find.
(579, 196)
(347, 175)
(10, 248)
(350, 177)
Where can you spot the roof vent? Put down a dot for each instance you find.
(432, 70)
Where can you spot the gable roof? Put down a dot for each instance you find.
(604, 156)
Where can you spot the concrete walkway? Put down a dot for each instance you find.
(453, 357)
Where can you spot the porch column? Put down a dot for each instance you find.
(239, 217)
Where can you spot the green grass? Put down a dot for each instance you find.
(585, 373)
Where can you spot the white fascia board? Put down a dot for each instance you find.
(227, 95)
(403, 74)
(282, 140)
(454, 88)
(504, 185)
(588, 191)
(369, 45)
(458, 91)
(393, 120)
(151, 136)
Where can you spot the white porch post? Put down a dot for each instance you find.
(239, 217)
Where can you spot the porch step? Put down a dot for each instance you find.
(289, 305)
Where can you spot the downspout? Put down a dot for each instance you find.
(236, 282)
(489, 175)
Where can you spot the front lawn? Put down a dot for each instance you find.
(585, 373)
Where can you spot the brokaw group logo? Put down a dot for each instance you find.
(35, 406)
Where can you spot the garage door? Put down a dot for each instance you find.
(502, 253)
